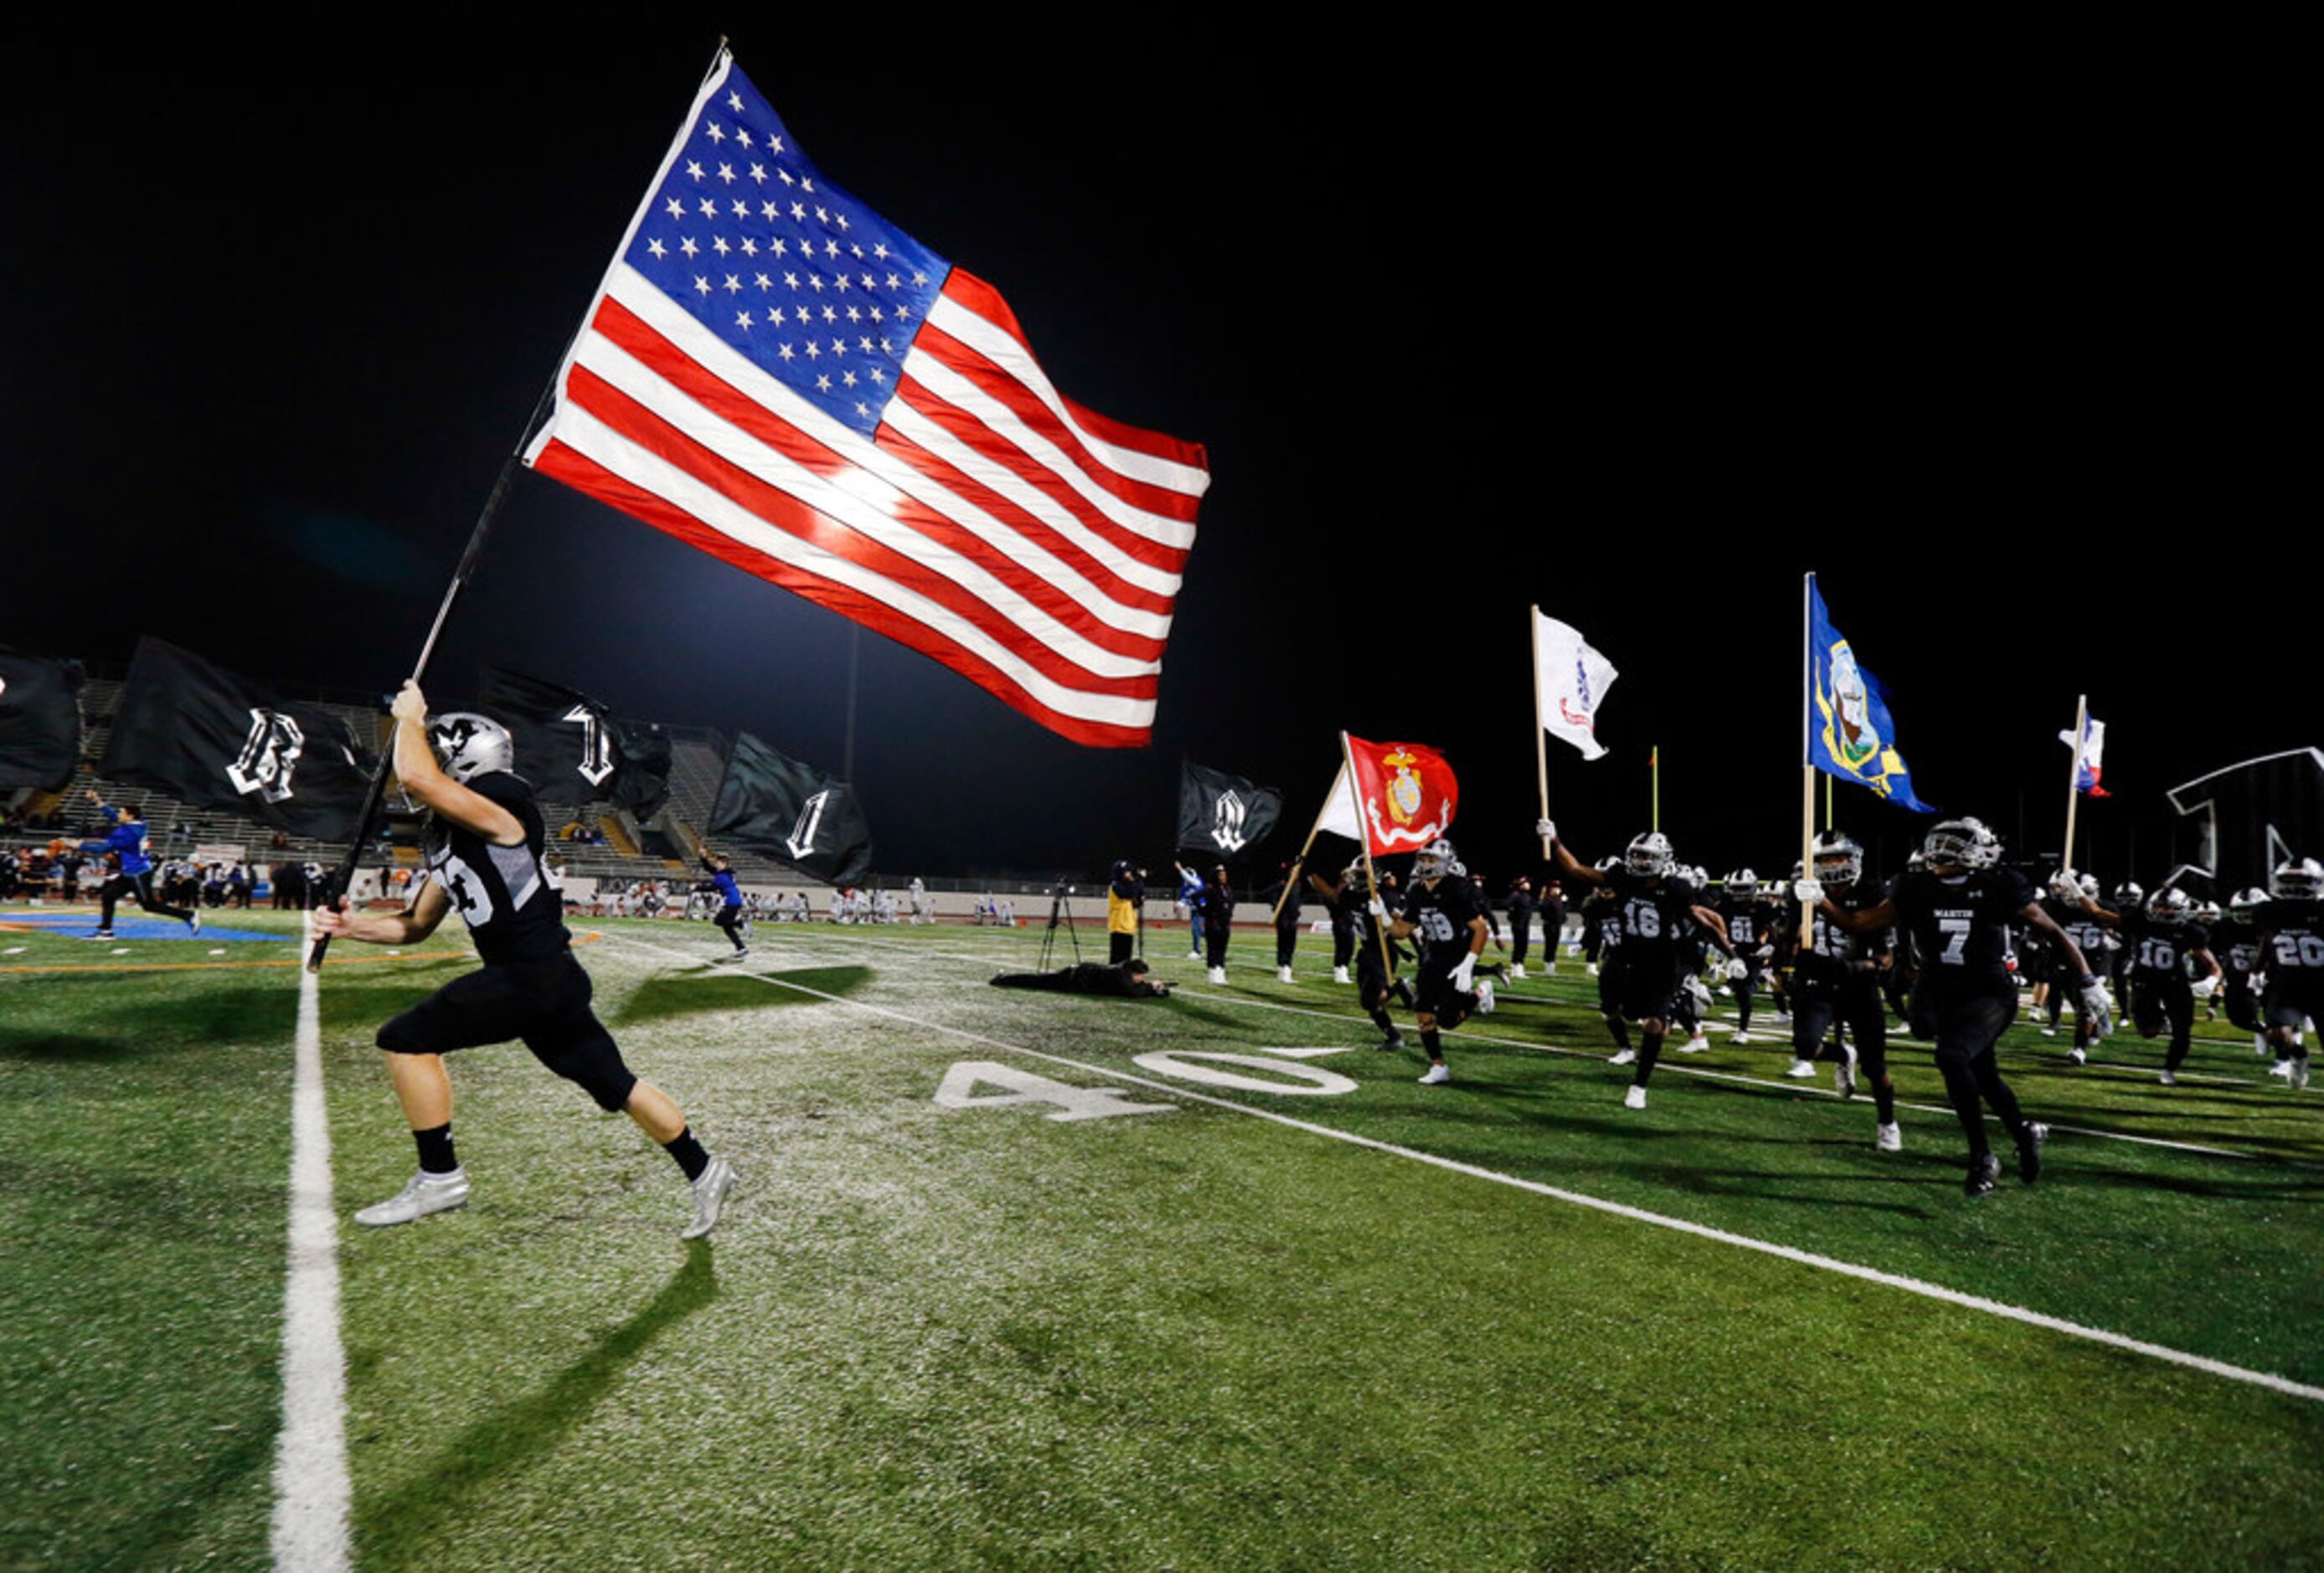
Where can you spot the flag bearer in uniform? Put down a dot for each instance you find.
(484, 841)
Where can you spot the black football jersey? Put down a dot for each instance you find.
(1831, 952)
(2159, 948)
(1749, 924)
(1655, 916)
(1441, 914)
(2237, 945)
(2293, 939)
(502, 893)
(1960, 924)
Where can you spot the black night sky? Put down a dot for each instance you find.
(1635, 331)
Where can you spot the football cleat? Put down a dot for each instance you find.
(1984, 1174)
(2169, 1078)
(1283, 975)
(1698, 1044)
(1339, 975)
(2029, 1150)
(2299, 1077)
(426, 1193)
(2281, 1067)
(193, 923)
(1634, 1098)
(1843, 1075)
(1741, 1036)
(1435, 1075)
(1801, 1070)
(1218, 975)
(1887, 1138)
(1484, 996)
(1517, 971)
(1623, 1058)
(710, 1190)
(1390, 1044)
(2078, 1055)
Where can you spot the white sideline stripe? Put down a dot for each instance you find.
(1665, 1067)
(1921, 1287)
(310, 1531)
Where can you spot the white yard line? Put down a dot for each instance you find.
(1671, 1063)
(1927, 1291)
(309, 1532)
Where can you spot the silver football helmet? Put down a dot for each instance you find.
(2247, 904)
(1648, 856)
(1434, 861)
(2088, 886)
(1839, 860)
(1743, 885)
(470, 745)
(2301, 879)
(1964, 843)
(2170, 905)
(2129, 895)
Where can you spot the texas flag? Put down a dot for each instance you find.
(2090, 757)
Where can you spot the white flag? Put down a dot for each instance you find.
(1570, 679)
(1340, 816)
(2093, 751)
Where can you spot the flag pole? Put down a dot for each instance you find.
(1807, 757)
(377, 794)
(1299, 864)
(1655, 787)
(2074, 778)
(1364, 839)
(341, 880)
(1540, 732)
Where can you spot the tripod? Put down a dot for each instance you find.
(1060, 915)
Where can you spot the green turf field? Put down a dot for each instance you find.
(1320, 1325)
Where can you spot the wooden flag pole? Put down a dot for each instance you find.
(2074, 780)
(1655, 778)
(1364, 839)
(1807, 754)
(1299, 864)
(1540, 732)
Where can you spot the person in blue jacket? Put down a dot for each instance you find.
(129, 870)
(730, 897)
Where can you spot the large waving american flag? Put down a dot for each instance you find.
(776, 375)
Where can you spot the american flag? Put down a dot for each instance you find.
(776, 375)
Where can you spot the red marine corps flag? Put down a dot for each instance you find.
(1393, 797)
(775, 374)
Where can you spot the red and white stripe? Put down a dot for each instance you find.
(1029, 544)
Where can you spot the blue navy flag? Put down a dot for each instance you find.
(773, 373)
(1849, 732)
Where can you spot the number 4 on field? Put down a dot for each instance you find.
(1072, 1103)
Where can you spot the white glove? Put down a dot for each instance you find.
(2063, 886)
(1737, 970)
(2094, 1007)
(1810, 891)
(1463, 972)
(2205, 988)
(1374, 907)
(1765, 953)
(1546, 828)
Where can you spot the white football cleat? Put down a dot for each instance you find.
(2168, 1079)
(1843, 1077)
(1887, 1138)
(2049, 1032)
(1801, 1070)
(710, 1189)
(1740, 1036)
(1635, 1098)
(1218, 975)
(1194, 956)
(2299, 1077)
(2078, 1055)
(2281, 1067)
(1623, 1058)
(1593, 969)
(1435, 1075)
(1484, 996)
(1339, 975)
(426, 1193)
(1698, 1044)
(1516, 971)
(1283, 975)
